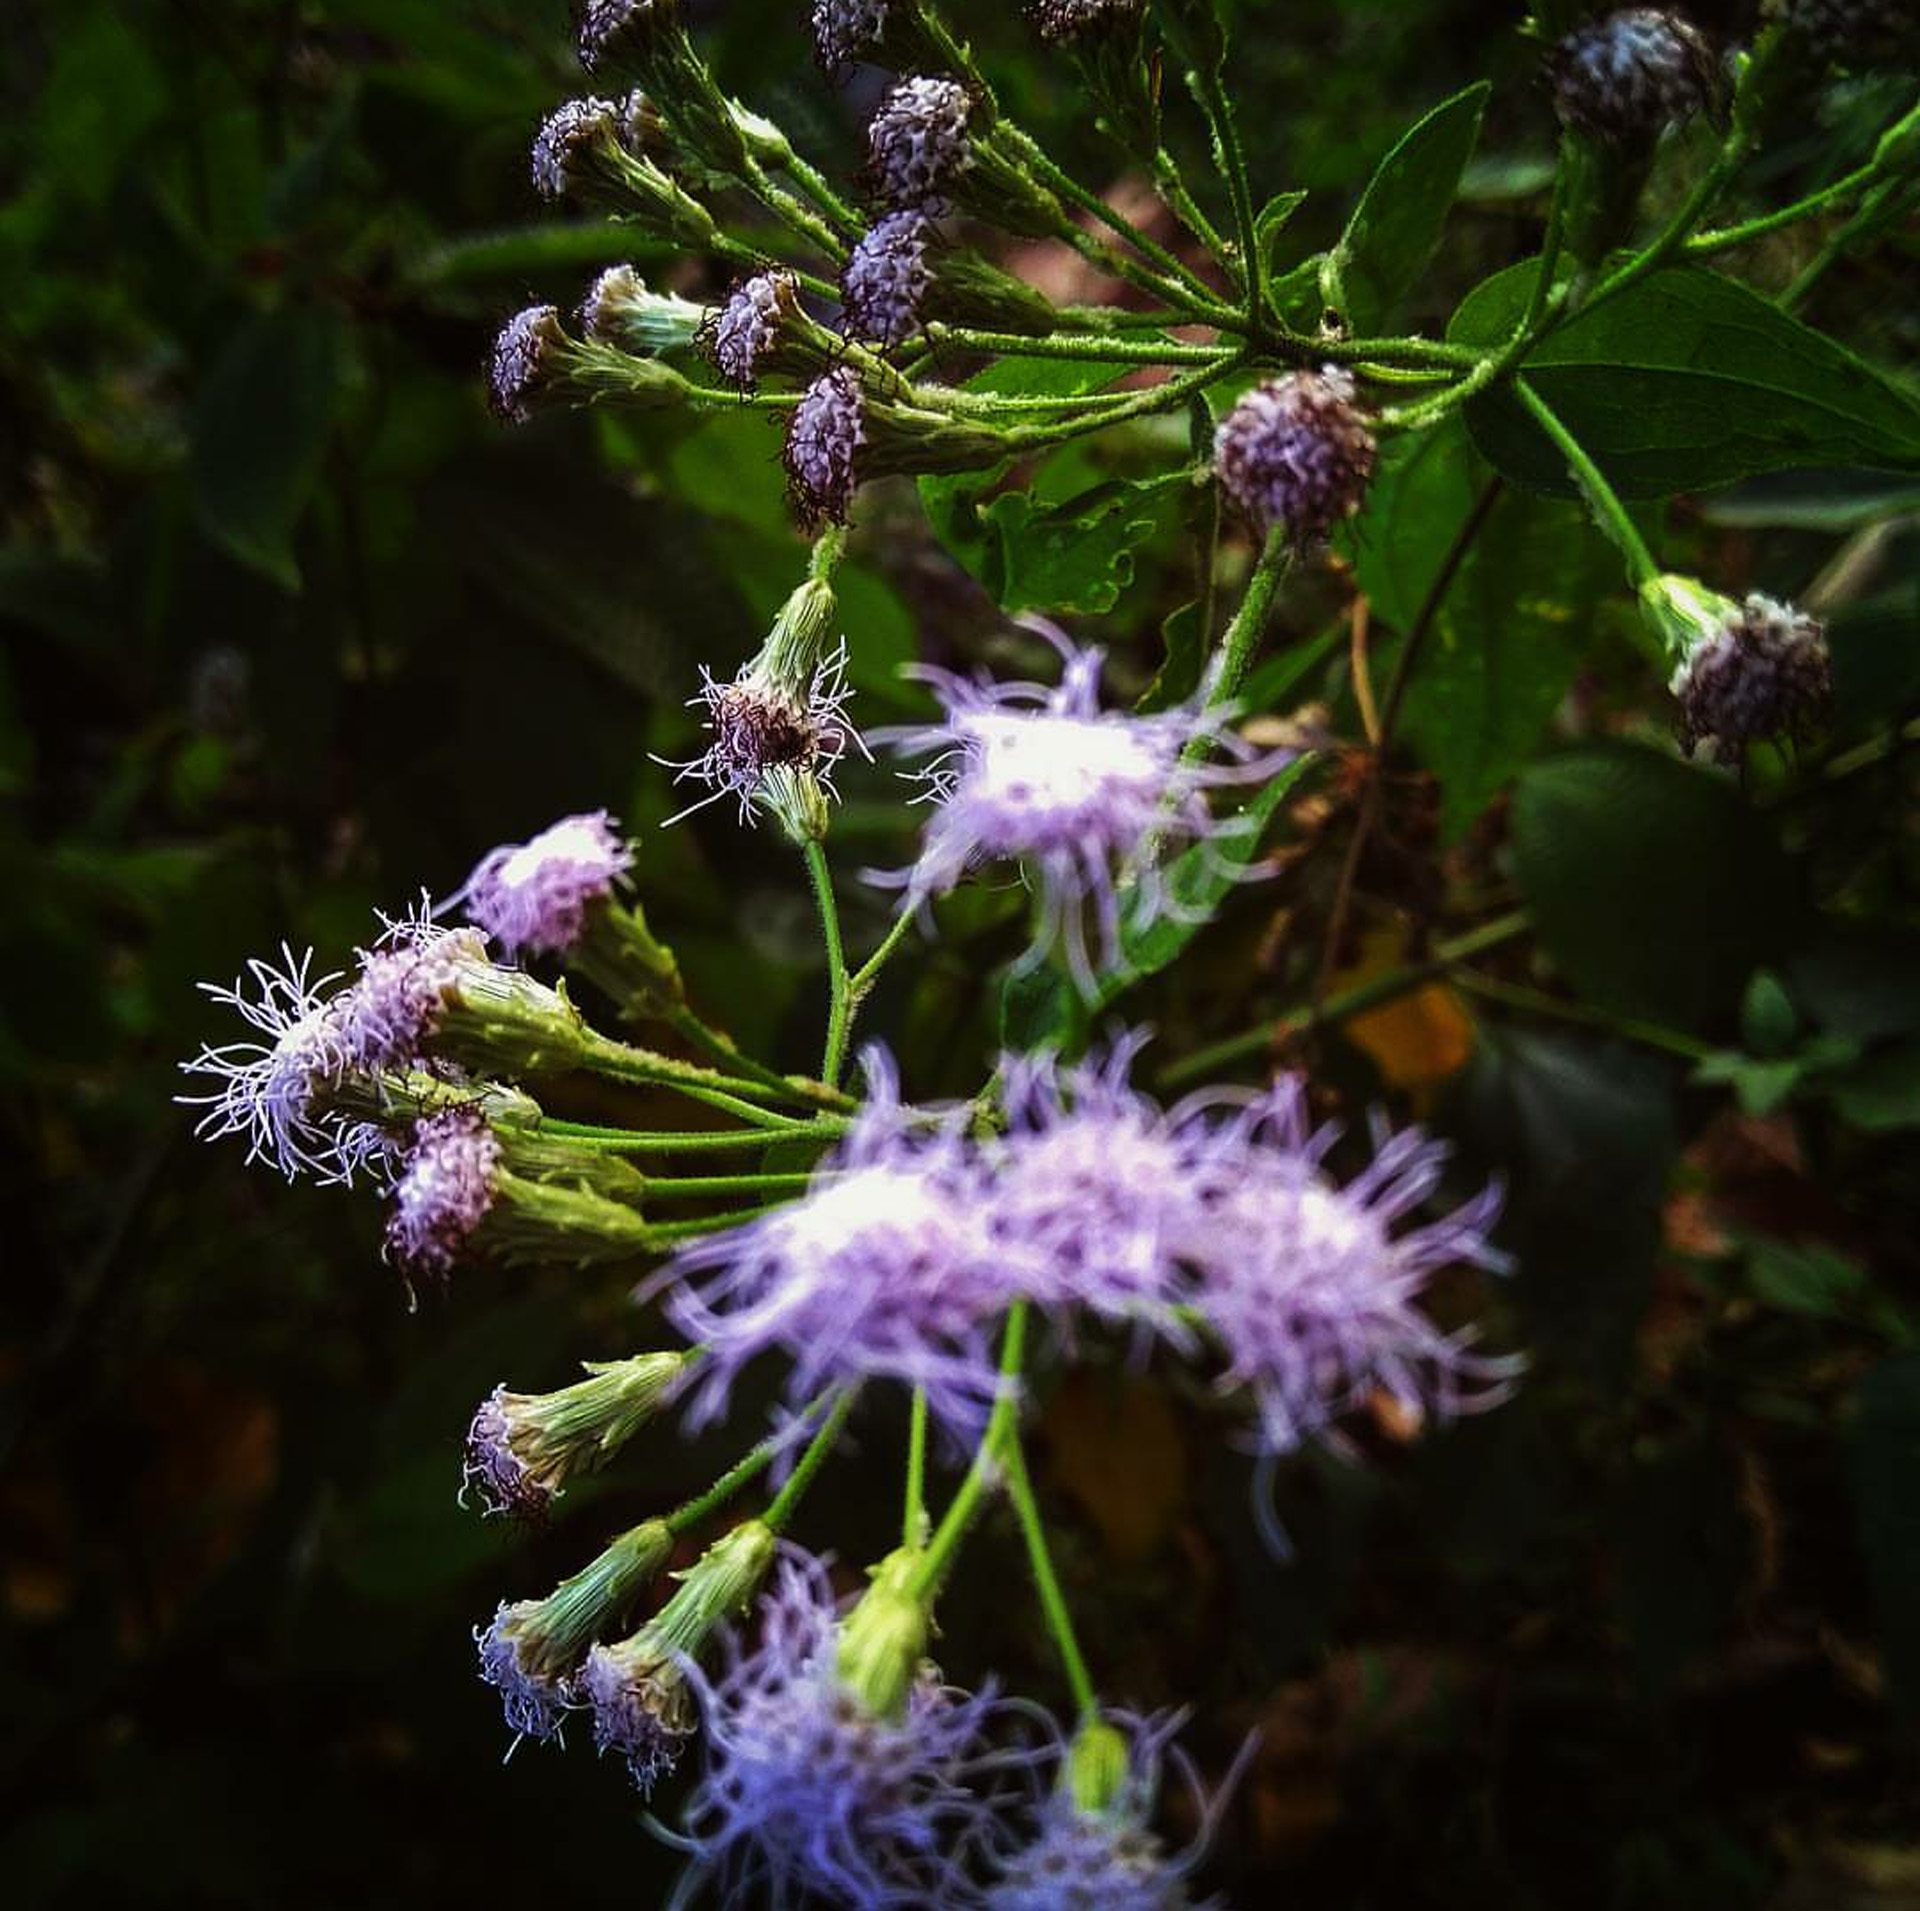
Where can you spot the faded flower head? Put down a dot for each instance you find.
(885, 282)
(1761, 672)
(533, 898)
(1630, 75)
(918, 144)
(527, 359)
(1311, 1286)
(566, 134)
(825, 436)
(269, 1090)
(1064, 21)
(1049, 778)
(845, 29)
(808, 1795)
(747, 327)
(886, 1268)
(444, 1191)
(1296, 451)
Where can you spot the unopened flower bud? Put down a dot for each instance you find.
(918, 142)
(884, 1638)
(1628, 77)
(643, 1706)
(1742, 672)
(1099, 1763)
(762, 326)
(825, 437)
(1296, 451)
(624, 31)
(886, 279)
(1068, 22)
(524, 1448)
(535, 362)
(532, 1649)
(619, 310)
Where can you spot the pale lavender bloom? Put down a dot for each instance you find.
(1110, 1858)
(1047, 777)
(887, 277)
(760, 728)
(747, 326)
(1296, 452)
(555, 161)
(886, 1268)
(917, 142)
(644, 1714)
(444, 1192)
(532, 898)
(1311, 1288)
(266, 1090)
(807, 1797)
(534, 1697)
(389, 1015)
(525, 361)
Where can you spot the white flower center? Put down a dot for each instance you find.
(1060, 765)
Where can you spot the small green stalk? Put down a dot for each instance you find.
(786, 1502)
(1600, 495)
(740, 1475)
(1053, 1604)
(913, 1524)
(839, 984)
(690, 1187)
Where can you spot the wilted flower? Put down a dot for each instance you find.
(1048, 777)
(1296, 452)
(1630, 75)
(1311, 1287)
(532, 1649)
(523, 1448)
(918, 143)
(825, 436)
(810, 1791)
(271, 1091)
(533, 898)
(885, 1268)
(885, 281)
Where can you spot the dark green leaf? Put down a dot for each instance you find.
(1805, 1277)
(1397, 223)
(1185, 636)
(1272, 219)
(1655, 889)
(1882, 1095)
(1075, 557)
(260, 430)
(1684, 381)
(1883, 1461)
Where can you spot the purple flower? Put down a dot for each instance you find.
(1311, 1287)
(532, 898)
(533, 1695)
(1760, 671)
(1296, 451)
(1093, 1850)
(844, 29)
(269, 1090)
(391, 1012)
(917, 142)
(765, 734)
(555, 161)
(886, 279)
(613, 29)
(807, 1795)
(825, 436)
(747, 327)
(1024, 773)
(886, 1268)
(1628, 76)
(1063, 21)
(444, 1192)
(525, 362)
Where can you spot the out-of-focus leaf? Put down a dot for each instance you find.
(1883, 1461)
(1840, 500)
(1397, 223)
(260, 430)
(1882, 1094)
(1655, 888)
(1684, 381)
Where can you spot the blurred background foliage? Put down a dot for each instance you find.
(290, 629)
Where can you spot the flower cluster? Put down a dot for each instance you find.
(1089, 799)
(1296, 453)
(1632, 74)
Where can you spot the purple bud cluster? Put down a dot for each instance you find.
(825, 437)
(1632, 74)
(1761, 672)
(1296, 453)
(746, 328)
(845, 29)
(444, 1192)
(918, 143)
(533, 898)
(885, 282)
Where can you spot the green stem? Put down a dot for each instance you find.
(688, 1187)
(742, 1473)
(1079, 345)
(1601, 500)
(868, 973)
(1172, 187)
(1165, 397)
(1241, 644)
(1839, 241)
(839, 990)
(1046, 1582)
(913, 1522)
(1705, 244)
(722, 1048)
(966, 1503)
(1218, 108)
(788, 1498)
(1537, 1002)
(1355, 1001)
(621, 1062)
(1673, 235)
(796, 213)
(666, 1142)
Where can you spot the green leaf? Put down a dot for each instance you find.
(1077, 556)
(1272, 217)
(1805, 1277)
(1510, 634)
(1684, 381)
(1397, 223)
(260, 431)
(1882, 1095)
(1654, 887)
(1185, 636)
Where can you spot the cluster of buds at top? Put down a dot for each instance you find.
(1627, 77)
(932, 143)
(1296, 453)
(646, 40)
(594, 148)
(1743, 672)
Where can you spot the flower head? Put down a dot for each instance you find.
(1311, 1287)
(533, 898)
(886, 1268)
(620, 309)
(809, 1794)
(825, 437)
(918, 143)
(566, 137)
(398, 1000)
(1760, 671)
(444, 1191)
(1296, 452)
(885, 282)
(845, 29)
(1063, 21)
(527, 361)
(613, 29)
(1048, 777)
(748, 325)
(1630, 75)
